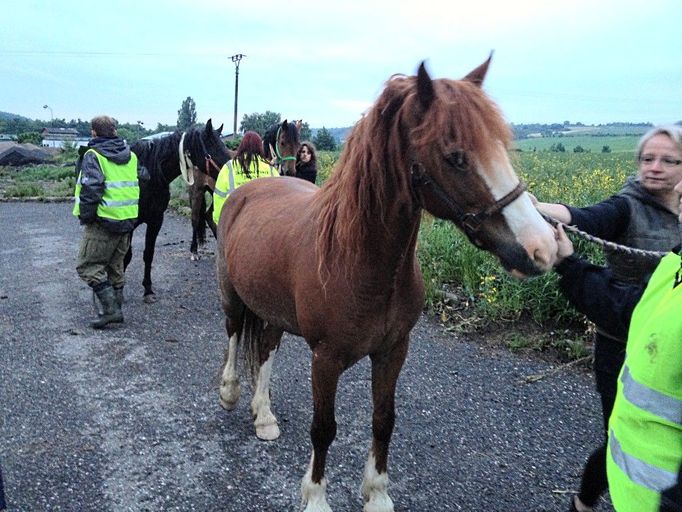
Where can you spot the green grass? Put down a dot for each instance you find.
(594, 144)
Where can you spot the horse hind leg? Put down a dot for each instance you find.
(265, 421)
(385, 371)
(229, 382)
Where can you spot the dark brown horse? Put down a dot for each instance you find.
(202, 208)
(343, 271)
(280, 145)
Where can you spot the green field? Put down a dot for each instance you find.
(593, 144)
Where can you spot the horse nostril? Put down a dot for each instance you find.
(543, 258)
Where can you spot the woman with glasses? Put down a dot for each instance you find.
(644, 215)
(306, 162)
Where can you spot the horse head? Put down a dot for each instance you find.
(281, 144)
(458, 167)
(216, 153)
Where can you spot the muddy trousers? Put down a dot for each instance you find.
(100, 257)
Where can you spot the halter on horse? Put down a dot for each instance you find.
(346, 276)
(280, 144)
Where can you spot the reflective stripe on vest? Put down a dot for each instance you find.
(656, 403)
(121, 189)
(228, 181)
(642, 473)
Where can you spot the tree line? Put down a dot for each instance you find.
(29, 130)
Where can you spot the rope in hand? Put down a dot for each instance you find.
(604, 243)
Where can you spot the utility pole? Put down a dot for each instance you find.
(236, 59)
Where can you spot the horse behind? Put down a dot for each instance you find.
(202, 209)
(346, 276)
(165, 159)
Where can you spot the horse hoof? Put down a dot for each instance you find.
(267, 432)
(150, 299)
(228, 405)
(379, 506)
(194, 257)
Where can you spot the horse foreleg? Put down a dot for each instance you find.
(209, 221)
(385, 370)
(326, 370)
(196, 204)
(151, 234)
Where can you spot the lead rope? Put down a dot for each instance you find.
(605, 243)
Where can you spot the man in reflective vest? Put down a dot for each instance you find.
(106, 202)
(644, 460)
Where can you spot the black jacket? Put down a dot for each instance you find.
(306, 171)
(594, 291)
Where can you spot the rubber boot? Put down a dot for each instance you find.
(118, 293)
(112, 309)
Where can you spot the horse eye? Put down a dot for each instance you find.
(457, 159)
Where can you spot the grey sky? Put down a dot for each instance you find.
(325, 62)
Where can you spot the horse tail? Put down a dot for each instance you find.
(252, 337)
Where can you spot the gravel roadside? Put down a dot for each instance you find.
(127, 419)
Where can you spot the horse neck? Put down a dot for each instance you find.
(388, 226)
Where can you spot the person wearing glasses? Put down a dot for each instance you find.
(644, 454)
(644, 215)
(306, 162)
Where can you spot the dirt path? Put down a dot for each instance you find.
(128, 419)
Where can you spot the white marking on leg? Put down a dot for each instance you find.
(314, 496)
(374, 488)
(229, 383)
(265, 421)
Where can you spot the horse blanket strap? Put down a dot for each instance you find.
(186, 165)
(471, 222)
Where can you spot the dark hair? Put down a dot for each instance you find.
(311, 149)
(104, 126)
(250, 148)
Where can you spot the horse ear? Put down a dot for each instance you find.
(478, 74)
(220, 129)
(209, 126)
(425, 91)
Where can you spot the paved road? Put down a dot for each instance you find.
(128, 419)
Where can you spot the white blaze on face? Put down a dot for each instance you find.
(530, 229)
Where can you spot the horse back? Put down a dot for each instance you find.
(266, 237)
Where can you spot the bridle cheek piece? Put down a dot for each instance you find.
(469, 221)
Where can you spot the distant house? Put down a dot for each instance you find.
(57, 137)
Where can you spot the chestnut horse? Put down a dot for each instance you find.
(343, 272)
